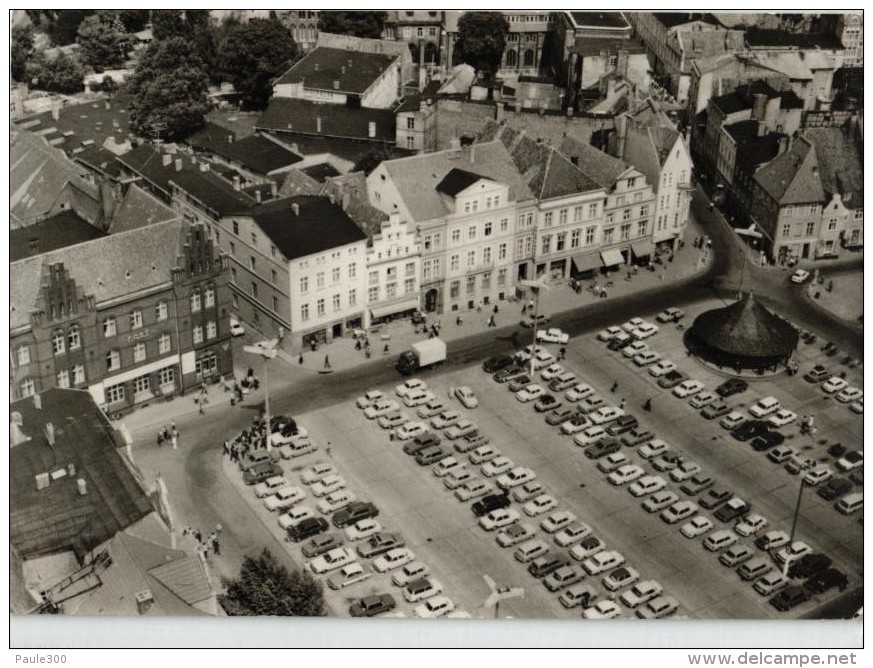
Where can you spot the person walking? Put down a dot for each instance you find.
(300, 359)
(326, 362)
(385, 349)
(216, 546)
(621, 405)
(328, 449)
(160, 438)
(496, 309)
(614, 386)
(647, 406)
(175, 439)
(459, 321)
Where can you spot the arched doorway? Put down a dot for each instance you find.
(511, 58)
(529, 58)
(430, 300)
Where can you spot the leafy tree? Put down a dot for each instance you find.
(102, 39)
(65, 24)
(105, 85)
(481, 40)
(266, 588)
(61, 75)
(168, 90)
(253, 55)
(169, 23)
(134, 20)
(357, 24)
(21, 51)
(372, 159)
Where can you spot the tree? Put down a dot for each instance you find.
(253, 55)
(102, 39)
(481, 40)
(65, 25)
(168, 90)
(169, 23)
(61, 75)
(134, 20)
(21, 51)
(357, 24)
(266, 588)
(372, 159)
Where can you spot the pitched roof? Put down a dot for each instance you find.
(757, 37)
(673, 19)
(98, 159)
(559, 177)
(793, 177)
(746, 329)
(58, 518)
(257, 153)
(210, 135)
(707, 43)
(792, 64)
(599, 19)
(663, 139)
(456, 181)
(321, 171)
(297, 182)
(351, 71)
(302, 117)
(351, 190)
(139, 209)
(63, 229)
(598, 165)
(318, 226)
(841, 164)
(109, 267)
(754, 150)
(730, 103)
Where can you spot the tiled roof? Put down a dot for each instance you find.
(706, 43)
(184, 577)
(63, 229)
(840, 164)
(663, 139)
(742, 130)
(98, 159)
(792, 178)
(106, 268)
(592, 46)
(789, 63)
(559, 178)
(598, 165)
(457, 180)
(353, 71)
(210, 135)
(139, 209)
(755, 37)
(755, 150)
(297, 182)
(351, 189)
(599, 19)
(301, 117)
(321, 171)
(319, 225)
(256, 153)
(673, 19)
(730, 103)
(58, 518)
(413, 17)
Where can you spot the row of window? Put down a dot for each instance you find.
(473, 256)
(140, 350)
(473, 231)
(391, 273)
(320, 305)
(470, 284)
(390, 290)
(490, 202)
(798, 229)
(593, 211)
(335, 277)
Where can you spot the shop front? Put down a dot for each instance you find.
(642, 252)
(388, 312)
(611, 259)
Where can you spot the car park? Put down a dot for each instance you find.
(605, 414)
(699, 483)
(633, 349)
(572, 534)
(328, 484)
(530, 550)
(644, 331)
(671, 379)
(587, 547)
(497, 466)
(546, 564)
(647, 485)
(578, 392)
(545, 403)
(331, 560)
(685, 471)
(850, 461)
(553, 335)
(751, 525)
(284, 498)
(437, 606)
(608, 333)
(380, 408)
(410, 430)
(514, 534)
(720, 540)
(514, 477)
(678, 511)
(370, 606)
(473, 489)
(782, 417)
(379, 544)
(662, 368)
(849, 395)
(697, 526)
(834, 384)
(625, 474)
(702, 399)
(715, 410)
(654, 448)
(410, 572)
(612, 461)
(602, 610)
(636, 436)
(641, 593)
(733, 509)
(362, 529)
(530, 393)
(559, 415)
(834, 488)
(557, 521)
(789, 598)
(488, 503)
(770, 583)
(817, 475)
(446, 419)
(576, 424)
(348, 575)
(462, 428)
(687, 388)
(539, 505)
(602, 448)
(527, 491)
(621, 577)
(731, 387)
(659, 501)
(658, 608)
(466, 396)
(671, 314)
(826, 579)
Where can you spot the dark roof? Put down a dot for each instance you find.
(790, 100)
(318, 227)
(759, 37)
(210, 135)
(63, 229)
(354, 71)
(600, 19)
(458, 180)
(745, 329)
(592, 46)
(258, 154)
(321, 172)
(673, 19)
(58, 518)
(758, 87)
(139, 208)
(559, 177)
(98, 159)
(756, 150)
(598, 165)
(793, 177)
(301, 117)
(730, 103)
(841, 163)
(742, 130)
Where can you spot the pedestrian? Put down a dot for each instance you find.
(491, 322)
(530, 304)
(175, 440)
(198, 536)
(160, 438)
(328, 449)
(523, 309)
(173, 426)
(300, 359)
(385, 349)
(326, 362)
(216, 547)
(495, 309)
(358, 344)
(648, 405)
(459, 321)
(614, 386)
(621, 405)
(201, 401)
(562, 353)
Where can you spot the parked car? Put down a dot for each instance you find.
(488, 503)
(572, 534)
(509, 373)
(410, 572)
(731, 387)
(317, 472)
(699, 483)
(697, 526)
(354, 512)
(834, 488)
(379, 544)
(735, 555)
(636, 436)
(362, 529)
(515, 533)
(370, 606)
(473, 489)
(662, 368)
(770, 583)
(658, 608)
(809, 565)
(466, 396)
(306, 528)
(603, 447)
(671, 314)
(714, 497)
(733, 509)
(789, 598)
(620, 578)
(834, 384)
(553, 335)
(816, 374)
(715, 410)
(348, 575)
(678, 511)
(659, 501)
(646, 358)
(720, 540)
(331, 560)
(772, 540)
(641, 593)
(751, 525)
(824, 580)
(579, 392)
(671, 379)
(497, 363)
(320, 545)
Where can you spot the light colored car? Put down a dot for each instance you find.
(473, 489)
(497, 466)
(611, 462)
(392, 420)
(642, 592)
(782, 417)
(587, 547)
(418, 398)
(654, 448)
(348, 575)
(688, 387)
(393, 559)
(436, 606)
(770, 583)
(634, 349)
(565, 576)
(458, 477)
(661, 368)
(780, 454)
(644, 331)
(294, 516)
(736, 555)
(834, 384)
(818, 475)
(446, 419)
(328, 484)
(530, 393)
(685, 471)
(466, 396)
(527, 491)
(591, 404)
(317, 472)
(236, 329)
(539, 505)
(430, 409)
(579, 392)
(575, 424)
(446, 466)
(484, 453)
(331, 560)
(625, 474)
(681, 510)
(732, 420)
(553, 335)
(410, 572)
(697, 526)
(497, 519)
(557, 521)
(849, 395)
(335, 500)
(646, 358)
(799, 276)
(620, 578)
(410, 430)
(658, 608)
(850, 461)
(602, 562)
(660, 500)
(284, 498)
(270, 486)
(792, 552)
(362, 529)
(552, 371)
(671, 314)
(572, 534)
(764, 407)
(609, 333)
(604, 609)
(605, 414)
(590, 435)
(462, 428)
(702, 399)
(380, 408)
(369, 398)
(514, 477)
(408, 386)
(514, 534)
(772, 540)
(720, 540)
(632, 324)
(419, 590)
(648, 484)
(751, 524)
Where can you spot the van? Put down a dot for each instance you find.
(300, 448)
(430, 455)
(253, 459)
(530, 550)
(417, 397)
(756, 568)
(545, 564)
(850, 503)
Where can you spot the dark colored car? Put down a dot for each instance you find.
(320, 545)
(379, 544)
(488, 503)
(431, 455)
(624, 424)
(697, 484)
(514, 370)
(560, 415)
(355, 511)
(809, 565)
(729, 512)
(751, 429)
(731, 387)
(767, 440)
(834, 488)
(836, 450)
(602, 448)
(495, 364)
(548, 563)
(258, 457)
(372, 605)
(857, 477)
(672, 379)
(715, 497)
(715, 410)
(816, 374)
(546, 403)
(789, 597)
(824, 580)
(519, 383)
(618, 344)
(261, 472)
(311, 526)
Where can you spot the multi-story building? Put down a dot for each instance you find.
(393, 271)
(303, 24)
(422, 30)
(416, 121)
(850, 30)
(720, 75)
(128, 317)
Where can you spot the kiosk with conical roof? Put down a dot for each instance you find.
(743, 336)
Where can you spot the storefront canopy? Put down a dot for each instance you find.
(611, 257)
(586, 262)
(397, 307)
(642, 248)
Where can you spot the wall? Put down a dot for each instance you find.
(826, 119)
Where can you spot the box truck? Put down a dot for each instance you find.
(422, 355)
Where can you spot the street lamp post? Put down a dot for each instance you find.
(536, 286)
(267, 350)
(500, 593)
(796, 516)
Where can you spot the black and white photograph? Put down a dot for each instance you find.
(457, 314)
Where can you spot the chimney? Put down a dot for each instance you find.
(178, 164)
(622, 62)
(815, 170)
(295, 207)
(336, 84)
(108, 105)
(166, 159)
(50, 433)
(759, 106)
(499, 112)
(331, 197)
(56, 110)
(144, 601)
(82, 487)
(371, 129)
(204, 166)
(71, 469)
(346, 199)
(316, 67)
(318, 124)
(783, 144)
(762, 128)
(258, 195)
(16, 436)
(42, 480)
(295, 149)
(37, 401)
(274, 190)
(236, 183)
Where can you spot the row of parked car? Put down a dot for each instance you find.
(836, 386)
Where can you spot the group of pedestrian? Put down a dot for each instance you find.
(169, 435)
(807, 425)
(203, 546)
(362, 343)
(248, 440)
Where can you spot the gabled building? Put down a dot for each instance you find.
(723, 74)
(421, 30)
(393, 271)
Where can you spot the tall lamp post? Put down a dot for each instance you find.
(267, 351)
(796, 514)
(499, 594)
(536, 286)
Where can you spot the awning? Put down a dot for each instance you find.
(398, 307)
(586, 262)
(642, 248)
(611, 257)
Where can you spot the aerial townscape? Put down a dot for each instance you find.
(436, 314)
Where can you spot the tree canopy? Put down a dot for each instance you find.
(482, 39)
(169, 23)
(61, 24)
(253, 55)
(102, 38)
(21, 51)
(134, 20)
(264, 587)
(168, 90)
(357, 24)
(61, 75)
(372, 159)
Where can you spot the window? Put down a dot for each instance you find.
(592, 210)
(211, 330)
(337, 302)
(560, 241)
(577, 214)
(64, 378)
(304, 312)
(78, 374)
(625, 232)
(456, 236)
(574, 238)
(455, 262)
(113, 360)
(161, 311)
(319, 279)
(471, 285)
(233, 249)
(252, 263)
(409, 285)
(589, 235)
(254, 290)
(109, 327)
(471, 233)
(234, 302)
(274, 277)
(164, 343)
(487, 231)
(610, 218)
(236, 228)
(471, 259)
(410, 142)
(454, 289)
(466, 207)
(786, 229)
(275, 303)
(373, 294)
(832, 224)
(139, 352)
(210, 296)
(641, 227)
(548, 219)
(374, 277)
(206, 364)
(353, 270)
(631, 182)
(140, 385)
(136, 319)
(608, 235)
(519, 247)
(501, 251)
(58, 343)
(272, 250)
(304, 284)
(504, 225)
(233, 275)
(353, 297)
(619, 201)
(23, 355)
(813, 208)
(198, 334)
(196, 301)
(562, 217)
(501, 277)
(115, 394)
(486, 255)
(546, 243)
(166, 376)
(644, 210)
(410, 122)
(428, 242)
(391, 290)
(810, 229)
(319, 307)
(334, 275)
(626, 214)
